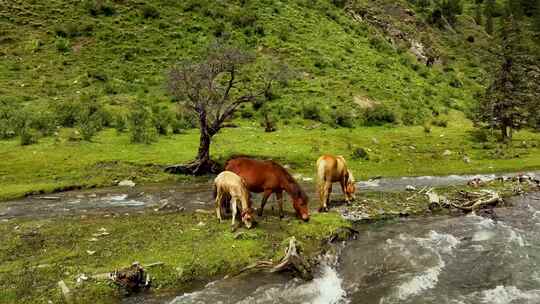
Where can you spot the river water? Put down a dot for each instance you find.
(455, 260)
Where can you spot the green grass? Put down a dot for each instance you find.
(51, 165)
(193, 247)
(125, 56)
(36, 254)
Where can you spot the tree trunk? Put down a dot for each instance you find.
(504, 133)
(202, 163)
(204, 146)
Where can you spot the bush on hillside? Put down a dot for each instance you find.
(99, 7)
(162, 118)
(28, 136)
(342, 117)
(379, 115)
(62, 44)
(150, 12)
(141, 124)
(91, 117)
(72, 29)
(311, 111)
(120, 123)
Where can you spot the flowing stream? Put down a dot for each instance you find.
(454, 260)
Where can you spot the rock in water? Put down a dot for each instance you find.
(410, 188)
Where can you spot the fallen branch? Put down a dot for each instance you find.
(291, 261)
(487, 197)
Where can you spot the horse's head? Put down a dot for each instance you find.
(350, 187)
(247, 217)
(300, 204)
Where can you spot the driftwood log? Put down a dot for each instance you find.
(292, 261)
(468, 201)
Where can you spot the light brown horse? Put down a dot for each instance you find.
(269, 177)
(229, 186)
(332, 169)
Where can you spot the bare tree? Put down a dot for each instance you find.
(213, 89)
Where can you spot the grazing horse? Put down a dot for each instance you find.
(332, 169)
(228, 185)
(269, 177)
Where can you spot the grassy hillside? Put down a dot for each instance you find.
(54, 51)
(353, 65)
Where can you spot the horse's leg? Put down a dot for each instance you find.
(266, 195)
(279, 196)
(327, 189)
(320, 189)
(219, 198)
(344, 190)
(233, 207)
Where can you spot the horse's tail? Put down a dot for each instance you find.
(214, 191)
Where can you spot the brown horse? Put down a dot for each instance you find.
(332, 169)
(269, 177)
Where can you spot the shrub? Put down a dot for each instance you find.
(141, 125)
(440, 122)
(247, 112)
(91, 117)
(343, 118)
(99, 7)
(8, 117)
(72, 29)
(311, 111)
(427, 128)
(150, 12)
(62, 44)
(66, 112)
(379, 115)
(162, 118)
(120, 123)
(28, 136)
(360, 153)
(42, 120)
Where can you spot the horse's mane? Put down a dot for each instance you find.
(295, 189)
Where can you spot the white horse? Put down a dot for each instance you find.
(229, 186)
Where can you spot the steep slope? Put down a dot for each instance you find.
(54, 51)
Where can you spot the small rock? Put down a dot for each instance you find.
(466, 159)
(201, 224)
(126, 183)
(93, 195)
(410, 188)
(447, 153)
(81, 278)
(90, 252)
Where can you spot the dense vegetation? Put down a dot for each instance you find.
(71, 69)
(348, 71)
